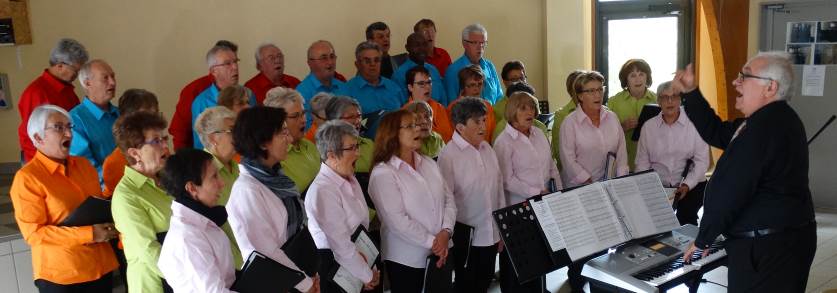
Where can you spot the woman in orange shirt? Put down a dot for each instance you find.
(44, 193)
(419, 86)
(471, 82)
(133, 100)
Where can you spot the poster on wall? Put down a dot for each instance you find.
(5, 93)
(812, 42)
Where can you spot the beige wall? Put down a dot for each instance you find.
(159, 45)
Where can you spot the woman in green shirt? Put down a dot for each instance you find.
(431, 142)
(635, 78)
(141, 209)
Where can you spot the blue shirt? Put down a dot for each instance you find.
(438, 91)
(493, 89)
(310, 86)
(92, 133)
(372, 98)
(208, 98)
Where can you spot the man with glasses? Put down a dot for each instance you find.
(223, 66)
(758, 196)
(373, 91)
(95, 116)
(378, 33)
(417, 47)
(474, 41)
(54, 86)
(323, 63)
(270, 61)
(437, 56)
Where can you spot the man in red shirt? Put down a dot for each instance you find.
(180, 127)
(54, 86)
(270, 61)
(437, 56)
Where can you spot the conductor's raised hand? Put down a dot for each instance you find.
(684, 80)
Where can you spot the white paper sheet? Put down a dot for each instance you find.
(347, 282)
(813, 80)
(547, 221)
(587, 221)
(365, 245)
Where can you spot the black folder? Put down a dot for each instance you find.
(300, 248)
(92, 211)
(463, 236)
(362, 230)
(262, 274)
(437, 280)
(648, 112)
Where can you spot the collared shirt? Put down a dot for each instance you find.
(364, 162)
(260, 84)
(474, 177)
(228, 173)
(112, 170)
(310, 86)
(414, 206)
(373, 98)
(93, 133)
(195, 255)
(441, 119)
(432, 145)
(302, 163)
(44, 193)
(526, 163)
(585, 148)
(438, 90)
(490, 120)
(492, 89)
(311, 133)
(665, 148)
(206, 99)
(46, 89)
(180, 126)
(625, 106)
(336, 208)
(141, 209)
(502, 124)
(440, 59)
(259, 220)
(560, 115)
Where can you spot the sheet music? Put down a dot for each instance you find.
(587, 221)
(347, 281)
(644, 204)
(547, 221)
(365, 245)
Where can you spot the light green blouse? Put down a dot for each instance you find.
(432, 145)
(228, 174)
(302, 163)
(364, 163)
(627, 107)
(556, 129)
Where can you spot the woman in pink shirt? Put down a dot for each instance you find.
(416, 208)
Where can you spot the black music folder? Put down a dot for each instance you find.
(341, 276)
(366, 246)
(463, 235)
(648, 112)
(261, 274)
(301, 249)
(438, 279)
(92, 211)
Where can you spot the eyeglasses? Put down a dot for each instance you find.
(61, 128)
(471, 85)
(331, 56)
(353, 147)
(352, 117)
(222, 131)
(75, 68)
(158, 141)
(371, 61)
(668, 98)
(228, 63)
(423, 83)
(742, 76)
(596, 90)
(481, 44)
(296, 115)
(410, 126)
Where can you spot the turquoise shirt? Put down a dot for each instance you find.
(625, 106)
(493, 88)
(438, 90)
(310, 86)
(208, 98)
(373, 98)
(93, 133)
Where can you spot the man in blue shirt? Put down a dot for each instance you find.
(323, 62)
(223, 66)
(417, 48)
(94, 117)
(474, 40)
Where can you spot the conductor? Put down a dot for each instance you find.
(758, 196)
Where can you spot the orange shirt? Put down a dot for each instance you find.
(112, 170)
(441, 119)
(44, 193)
(490, 122)
(312, 132)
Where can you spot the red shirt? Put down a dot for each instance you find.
(260, 84)
(181, 123)
(46, 89)
(339, 76)
(440, 59)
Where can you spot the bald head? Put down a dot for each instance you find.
(417, 47)
(322, 61)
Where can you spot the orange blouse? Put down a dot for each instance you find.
(490, 121)
(441, 119)
(112, 170)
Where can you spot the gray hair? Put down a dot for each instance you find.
(330, 137)
(211, 59)
(279, 97)
(475, 28)
(336, 106)
(366, 45)
(85, 70)
(663, 87)
(419, 106)
(319, 102)
(38, 119)
(68, 51)
(467, 108)
(259, 50)
(211, 121)
(778, 68)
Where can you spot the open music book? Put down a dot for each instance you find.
(597, 216)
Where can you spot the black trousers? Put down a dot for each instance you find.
(574, 272)
(476, 275)
(103, 284)
(328, 265)
(688, 206)
(773, 263)
(404, 279)
(509, 282)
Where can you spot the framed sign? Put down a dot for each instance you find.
(5, 93)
